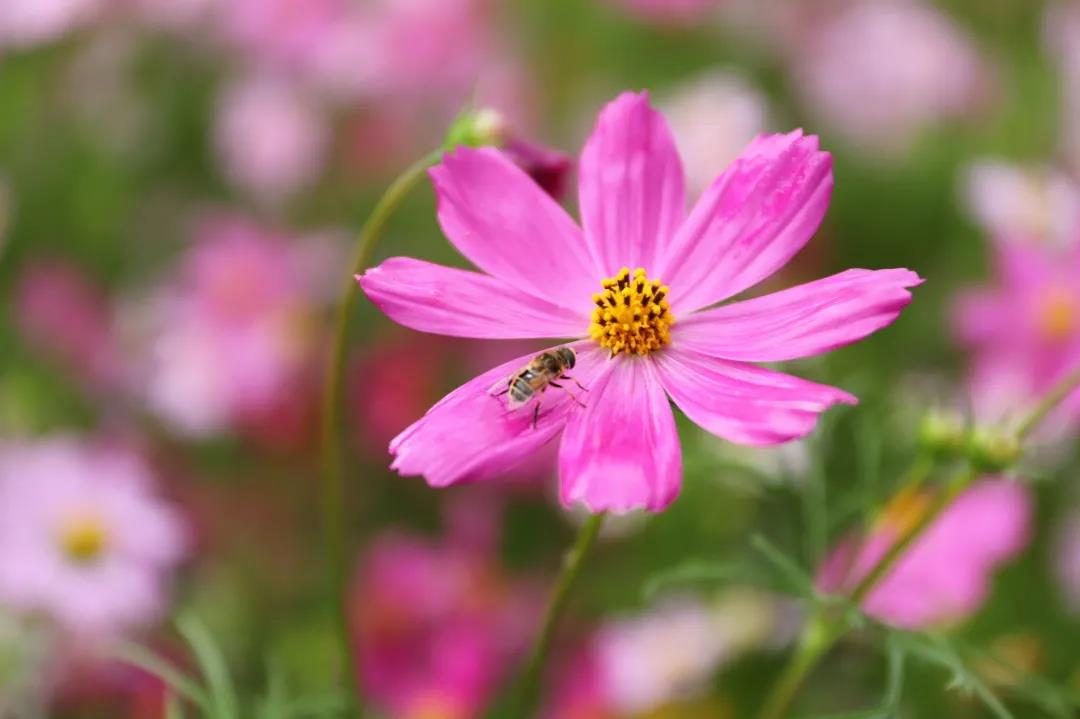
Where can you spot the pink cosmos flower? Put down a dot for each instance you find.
(233, 342)
(1063, 38)
(883, 70)
(24, 23)
(1023, 329)
(946, 575)
(269, 137)
(636, 287)
(64, 314)
(83, 538)
(436, 627)
(1020, 204)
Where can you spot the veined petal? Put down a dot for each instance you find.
(508, 227)
(743, 403)
(801, 321)
(631, 187)
(622, 451)
(750, 222)
(471, 435)
(460, 303)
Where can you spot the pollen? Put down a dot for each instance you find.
(83, 539)
(1058, 316)
(632, 314)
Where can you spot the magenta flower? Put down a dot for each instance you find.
(83, 538)
(634, 290)
(946, 575)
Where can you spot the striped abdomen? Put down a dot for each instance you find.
(522, 387)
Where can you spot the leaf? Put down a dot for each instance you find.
(705, 572)
(795, 578)
(175, 679)
(223, 703)
(895, 687)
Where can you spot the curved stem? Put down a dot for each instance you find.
(529, 683)
(332, 467)
(1056, 396)
(817, 639)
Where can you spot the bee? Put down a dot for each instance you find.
(534, 378)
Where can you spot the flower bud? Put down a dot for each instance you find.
(477, 127)
(993, 450)
(942, 434)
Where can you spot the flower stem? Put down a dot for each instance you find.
(332, 460)
(820, 634)
(528, 687)
(1054, 397)
(817, 638)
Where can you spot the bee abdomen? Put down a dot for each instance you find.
(520, 390)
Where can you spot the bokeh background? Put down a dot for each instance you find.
(180, 185)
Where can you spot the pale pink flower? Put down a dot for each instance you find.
(713, 118)
(436, 627)
(1023, 330)
(1063, 38)
(270, 137)
(25, 23)
(234, 340)
(668, 11)
(1020, 204)
(541, 278)
(881, 71)
(83, 538)
(946, 575)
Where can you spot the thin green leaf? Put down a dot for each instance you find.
(797, 580)
(705, 572)
(176, 680)
(1054, 700)
(894, 689)
(936, 650)
(223, 704)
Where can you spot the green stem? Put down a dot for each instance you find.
(529, 683)
(332, 459)
(1055, 397)
(818, 637)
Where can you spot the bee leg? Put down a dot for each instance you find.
(564, 389)
(536, 415)
(500, 394)
(580, 386)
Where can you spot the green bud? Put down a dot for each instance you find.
(993, 450)
(477, 127)
(942, 434)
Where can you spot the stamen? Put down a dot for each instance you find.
(632, 314)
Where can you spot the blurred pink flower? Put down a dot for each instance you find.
(713, 118)
(25, 23)
(881, 71)
(946, 575)
(540, 277)
(83, 538)
(270, 138)
(1063, 38)
(1067, 559)
(436, 627)
(61, 312)
(1018, 204)
(1023, 330)
(234, 341)
(668, 11)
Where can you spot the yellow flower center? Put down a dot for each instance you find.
(632, 314)
(83, 538)
(905, 510)
(1057, 314)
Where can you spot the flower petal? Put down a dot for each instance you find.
(801, 321)
(632, 187)
(743, 403)
(508, 227)
(750, 222)
(460, 303)
(622, 451)
(470, 435)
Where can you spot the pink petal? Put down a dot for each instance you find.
(750, 222)
(632, 192)
(470, 434)
(743, 403)
(508, 227)
(801, 321)
(622, 452)
(460, 303)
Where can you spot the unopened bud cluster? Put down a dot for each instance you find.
(945, 435)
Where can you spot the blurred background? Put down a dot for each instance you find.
(180, 185)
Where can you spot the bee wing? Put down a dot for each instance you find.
(500, 385)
